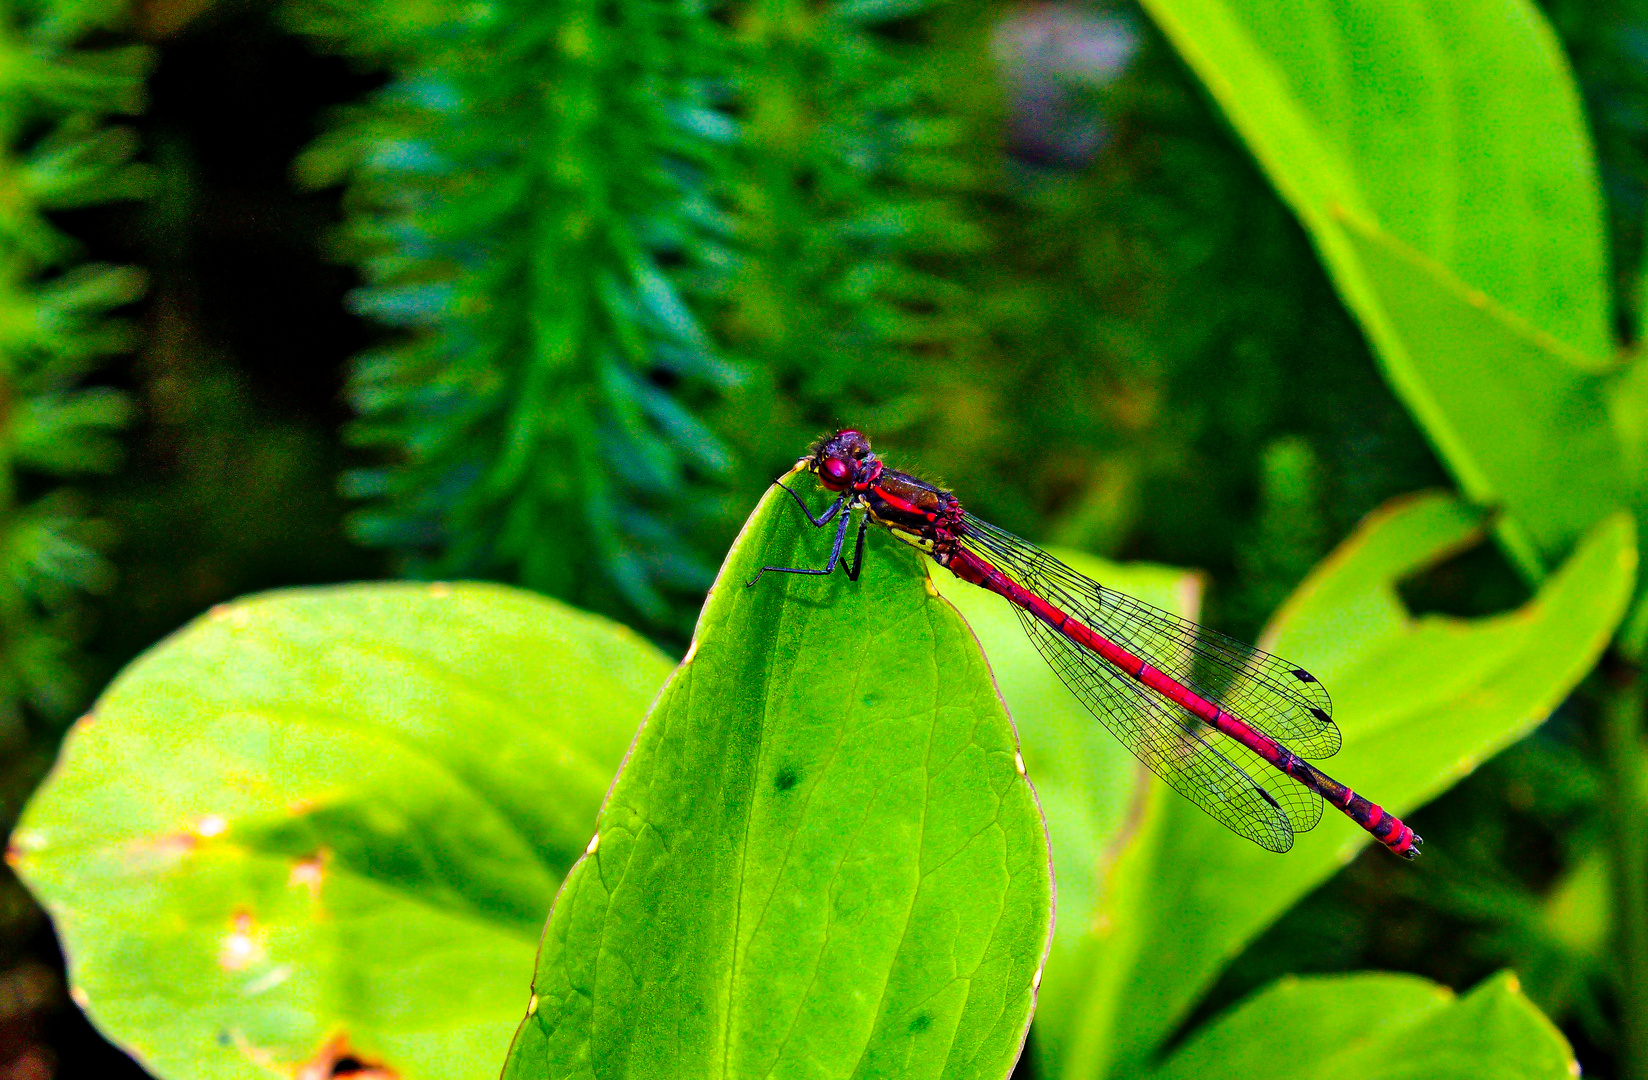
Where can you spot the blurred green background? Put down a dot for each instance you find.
(287, 300)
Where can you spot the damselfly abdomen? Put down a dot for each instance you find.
(1225, 725)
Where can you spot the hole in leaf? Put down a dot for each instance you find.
(1469, 584)
(336, 1059)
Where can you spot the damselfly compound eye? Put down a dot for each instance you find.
(835, 472)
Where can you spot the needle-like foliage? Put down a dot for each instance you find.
(848, 191)
(558, 208)
(56, 153)
(526, 197)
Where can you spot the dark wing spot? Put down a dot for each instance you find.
(786, 779)
(1302, 675)
(1320, 715)
(921, 1023)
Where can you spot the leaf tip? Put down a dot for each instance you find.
(25, 842)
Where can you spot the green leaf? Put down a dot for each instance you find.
(332, 818)
(820, 857)
(1628, 407)
(1577, 914)
(1420, 701)
(1089, 785)
(1439, 158)
(1376, 1026)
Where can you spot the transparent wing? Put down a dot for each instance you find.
(1218, 774)
(1270, 694)
(1212, 771)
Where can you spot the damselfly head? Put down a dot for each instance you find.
(838, 459)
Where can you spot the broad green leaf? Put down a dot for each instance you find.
(1578, 911)
(1438, 156)
(1628, 406)
(1375, 1027)
(331, 820)
(1090, 786)
(821, 858)
(1420, 701)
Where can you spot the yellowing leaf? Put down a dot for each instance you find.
(332, 818)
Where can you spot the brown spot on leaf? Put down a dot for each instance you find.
(25, 842)
(258, 1056)
(240, 949)
(336, 1059)
(308, 873)
(175, 844)
(152, 854)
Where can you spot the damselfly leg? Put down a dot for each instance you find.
(819, 522)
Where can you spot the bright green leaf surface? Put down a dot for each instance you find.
(820, 859)
(332, 814)
(1378, 1027)
(1090, 786)
(1420, 701)
(1439, 158)
(1578, 911)
(1628, 407)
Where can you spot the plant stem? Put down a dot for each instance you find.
(1622, 740)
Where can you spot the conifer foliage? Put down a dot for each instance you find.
(56, 153)
(849, 194)
(527, 196)
(630, 251)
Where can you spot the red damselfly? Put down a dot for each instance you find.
(1225, 725)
